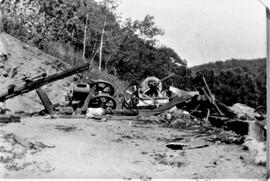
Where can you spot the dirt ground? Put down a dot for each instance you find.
(125, 149)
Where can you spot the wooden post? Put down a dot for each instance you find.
(101, 44)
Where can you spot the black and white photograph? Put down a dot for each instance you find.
(134, 89)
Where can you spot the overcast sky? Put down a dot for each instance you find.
(201, 31)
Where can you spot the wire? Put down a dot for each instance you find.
(263, 3)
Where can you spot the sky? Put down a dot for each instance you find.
(202, 31)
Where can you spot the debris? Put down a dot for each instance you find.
(257, 150)
(244, 112)
(198, 143)
(176, 145)
(256, 131)
(66, 110)
(180, 93)
(238, 126)
(148, 94)
(92, 112)
(151, 119)
(103, 120)
(66, 128)
(14, 139)
(82, 94)
(10, 118)
(228, 137)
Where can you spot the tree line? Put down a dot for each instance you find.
(232, 81)
(79, 31)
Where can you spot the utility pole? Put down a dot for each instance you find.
(84, 39)
(101, 45)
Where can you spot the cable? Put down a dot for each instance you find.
(263, 3)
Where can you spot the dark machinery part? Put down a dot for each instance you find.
(150, 87)
(94, 95)
(261, 110)
(100, 95)
(104, 101)
(131, 98)
(36, 82)
(102, 87)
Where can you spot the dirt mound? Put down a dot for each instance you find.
(19, 60)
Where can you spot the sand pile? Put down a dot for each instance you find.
(19, 60)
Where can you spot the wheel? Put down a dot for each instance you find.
(151, 83)
(104, 101)
(131, 96)
(102, 87)
(261, 110)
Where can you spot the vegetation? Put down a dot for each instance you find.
(233, 81)
(79, 31)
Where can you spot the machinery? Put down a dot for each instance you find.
(83, 95)
(97, 93)
(148, 94)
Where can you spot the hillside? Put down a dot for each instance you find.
(235, 80)
(22, 60)
(253, 66)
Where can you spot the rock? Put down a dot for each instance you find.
(92, 112)
(257, 150)
(168, 116)
(244, 112)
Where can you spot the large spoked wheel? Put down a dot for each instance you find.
(104, 101)
(131, 98)
(261, 110)
(151, 83)
(102, 87)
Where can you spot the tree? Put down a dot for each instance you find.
(146, 29)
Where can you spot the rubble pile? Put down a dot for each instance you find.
(175, 118)
(253, 140)
(181, 119)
